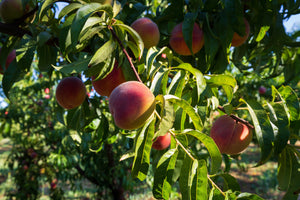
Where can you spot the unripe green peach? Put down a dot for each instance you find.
(238, 40)
(147, 30)
(70, 92)
(11, 56)
(131, 104)
(162, 142)
(106, 85)
(230, 136)
(178, 44)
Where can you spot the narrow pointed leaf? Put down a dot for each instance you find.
(200, 182)
(213, 150)
(142, 150)
(103, 53)
(200, 81)
(162, 185)
(188, 171)
(263, 129)
(188, 109)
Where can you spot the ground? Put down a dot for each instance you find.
(259, 180)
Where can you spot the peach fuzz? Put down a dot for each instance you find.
(11, 56)
(70, 92)
(131, 104)
(162, 142)
(238, 40)
(230, 136)
(148, 31)
(178, 44)
(105, 86)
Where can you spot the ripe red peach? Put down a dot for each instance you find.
(230, 136)
(262, 90)
(70, 92)
(11, 56)
(131, 104)
(238, 40)
(106, 85)
(148, 31)
(162, 142)
(178, 44)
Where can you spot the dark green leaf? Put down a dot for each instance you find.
(200, 81)
(142, 150)
(216, 157)
(263, 129)
(188, 109)
(200, 182)
(162, 185)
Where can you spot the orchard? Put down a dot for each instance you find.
(167, 93)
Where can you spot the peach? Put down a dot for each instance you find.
(162, 142)
(262, 90)
(178, 44)
(230, 136)
(106, 85)
(148, 31)
(70, 92)
(238, 40)
(11, 10)
(131, 104)
(11, 56)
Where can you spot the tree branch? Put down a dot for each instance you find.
(237, 118)
(125, 52)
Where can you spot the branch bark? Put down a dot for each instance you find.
(237, 118)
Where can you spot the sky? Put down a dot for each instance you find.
(291, 25)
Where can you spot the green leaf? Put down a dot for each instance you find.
(134, 35)
(188, 109)
(280, 119)
(284, 174)
(177, 84)
(143, 146)
(75, 118)
(68, 9)
(74, 67)
(213, 150)
(11, 75)
(228, 83)
(230, 182)
(46, 4)
(151, 56)
(263, 129)
(291, 100)
(82, 16)
(248, 196)
(103, 53)
(47, 57)
(294, 184)
(200, 81)
(162, 185)
(188, 171)
(200, 182)
(262, 32)
(159, 82)
(167, 117)
(187, 29)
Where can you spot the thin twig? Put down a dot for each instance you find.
(237, 118)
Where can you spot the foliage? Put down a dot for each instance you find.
(85, 38)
